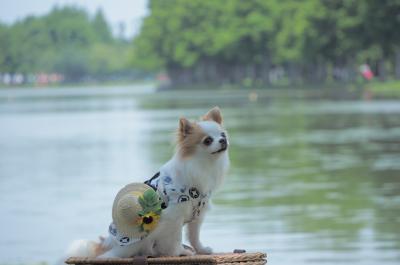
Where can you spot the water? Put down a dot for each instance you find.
(313, 180)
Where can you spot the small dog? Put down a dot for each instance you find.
(188, 180)
(185, 184)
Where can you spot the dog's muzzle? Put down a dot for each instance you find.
(224, 146)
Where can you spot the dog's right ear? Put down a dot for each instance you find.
(213, 114)
(185, 127)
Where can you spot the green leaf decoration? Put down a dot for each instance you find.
(150, 202)
(142, 201)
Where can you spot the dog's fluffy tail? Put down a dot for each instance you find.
(82, 248)
(86, 248)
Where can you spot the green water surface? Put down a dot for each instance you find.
(313, 180)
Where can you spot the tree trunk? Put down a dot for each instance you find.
(381, 69)
(265, 71)
(397, 64)
(321, 71)
(293, 73)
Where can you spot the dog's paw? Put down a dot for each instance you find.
(204, 250)
(186, 252)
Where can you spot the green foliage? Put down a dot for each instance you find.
(101, 28)
(150, 202)
(231, 41)
(193, 36)
(73, 62)
(5, 60)
(66, 41)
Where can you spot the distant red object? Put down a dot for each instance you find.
(366, 71)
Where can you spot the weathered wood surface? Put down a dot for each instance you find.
(225, 259)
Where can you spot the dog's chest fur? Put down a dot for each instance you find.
(202, 172)
(192, 181)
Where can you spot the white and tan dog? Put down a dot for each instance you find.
(188, 180)
(185, 184)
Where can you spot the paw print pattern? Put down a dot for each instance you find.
(173, 193)
(124, 240)
(194, 193)
(183, 198)
(167, 180)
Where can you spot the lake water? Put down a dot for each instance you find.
(313, 180)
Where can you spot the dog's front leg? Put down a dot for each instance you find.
(169, 233)
(193, 233)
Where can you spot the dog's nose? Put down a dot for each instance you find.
(223, 142)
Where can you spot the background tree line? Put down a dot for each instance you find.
(299, 41)
(66, 41)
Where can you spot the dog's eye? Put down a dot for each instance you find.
(208, 141)
(223, 134)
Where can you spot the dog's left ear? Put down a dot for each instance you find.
(185, 127)
(213, 114)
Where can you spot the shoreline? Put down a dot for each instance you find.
(374, 89)
(79, 84)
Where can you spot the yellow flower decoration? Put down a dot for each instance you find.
(150, 202)
(149, 221)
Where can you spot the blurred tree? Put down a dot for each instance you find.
(381, 21)
(106, 58)
(101, 27)
(239, 41)
(67, 41)
(5, 59)
(72, 63)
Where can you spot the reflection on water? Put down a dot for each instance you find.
(312, 180)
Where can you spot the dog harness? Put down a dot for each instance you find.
(173, 194)
(121, 239)
(170, 194)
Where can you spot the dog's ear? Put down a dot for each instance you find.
(213, 114)
(185, 127)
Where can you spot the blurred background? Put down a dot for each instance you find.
(91, 92)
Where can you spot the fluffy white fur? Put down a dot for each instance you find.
(204, 168)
